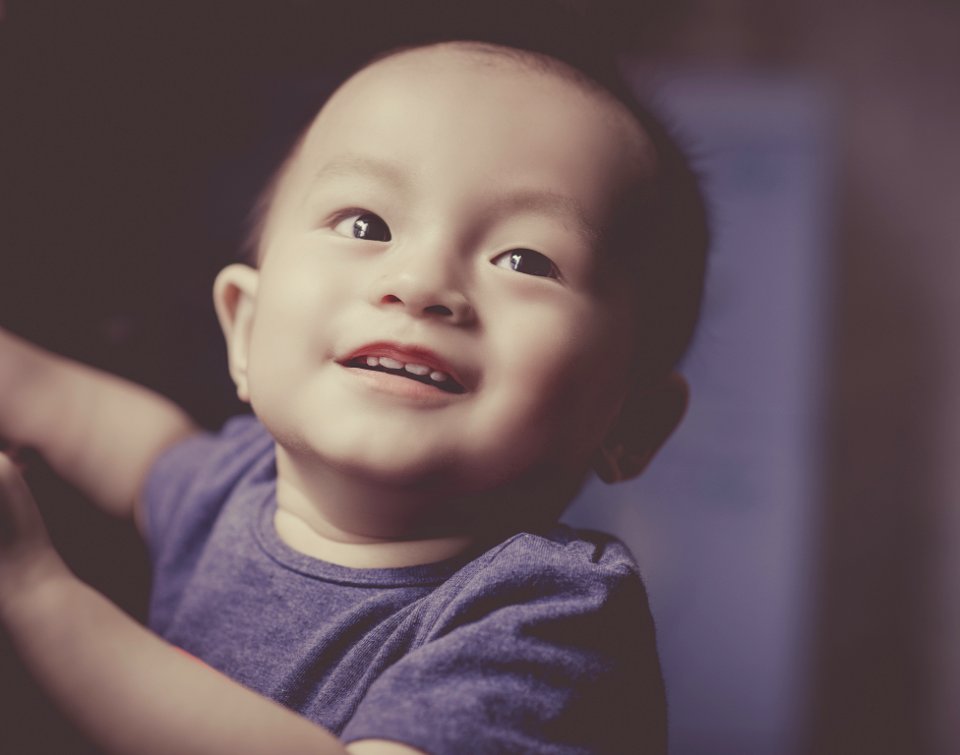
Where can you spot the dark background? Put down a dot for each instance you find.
(135, 137)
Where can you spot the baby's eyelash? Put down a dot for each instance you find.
(528, 262)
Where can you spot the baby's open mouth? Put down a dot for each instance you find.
(418, 372)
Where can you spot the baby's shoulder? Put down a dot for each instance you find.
(562, 553)
(546, 577)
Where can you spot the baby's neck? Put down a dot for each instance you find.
(346, 549)
(349, 521)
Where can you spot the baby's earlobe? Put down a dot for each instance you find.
(607, 464)
(620, 463)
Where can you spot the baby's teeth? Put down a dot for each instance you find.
(417, 369)
(413, 368)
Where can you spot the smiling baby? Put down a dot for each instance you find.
(475, 273)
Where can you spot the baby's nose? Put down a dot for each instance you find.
(425, 289)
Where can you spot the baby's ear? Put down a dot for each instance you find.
(649, 416)
(234, 296)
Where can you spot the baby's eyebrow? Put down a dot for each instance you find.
(353, 164)
(551, 203)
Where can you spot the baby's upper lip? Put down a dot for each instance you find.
(408, 354)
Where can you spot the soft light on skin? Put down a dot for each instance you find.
(465, 155)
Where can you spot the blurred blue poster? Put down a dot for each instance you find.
(723, 523)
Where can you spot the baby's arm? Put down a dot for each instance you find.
(99, 432)
(127, 689)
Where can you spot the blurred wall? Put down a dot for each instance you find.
(886, 660)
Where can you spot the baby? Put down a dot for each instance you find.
(474, 275)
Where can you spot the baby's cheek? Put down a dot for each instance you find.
(560, 346)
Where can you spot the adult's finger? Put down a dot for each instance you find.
(20, 520)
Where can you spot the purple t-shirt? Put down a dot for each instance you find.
(542, 644)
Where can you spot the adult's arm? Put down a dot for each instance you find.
(99, 432)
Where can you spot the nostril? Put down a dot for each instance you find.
(438, 309)
(390, 299)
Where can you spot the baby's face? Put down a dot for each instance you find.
(434, 307)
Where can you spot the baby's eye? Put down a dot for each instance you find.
(363, 225)
(527, 261)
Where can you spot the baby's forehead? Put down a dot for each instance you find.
(467, 54)
(407, 78)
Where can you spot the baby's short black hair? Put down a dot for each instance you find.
(668, 216)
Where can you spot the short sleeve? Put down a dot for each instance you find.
(185, 491)
(557, 657)
(202, 463)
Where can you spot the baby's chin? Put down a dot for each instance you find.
(405, 468)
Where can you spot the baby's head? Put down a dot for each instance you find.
(476, 272)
